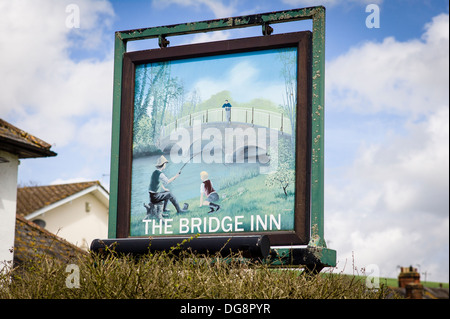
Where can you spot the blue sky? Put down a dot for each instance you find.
(386, 109)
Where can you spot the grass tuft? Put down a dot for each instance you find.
(173, 276)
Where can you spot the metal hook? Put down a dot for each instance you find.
(266, 29)
(163, 42)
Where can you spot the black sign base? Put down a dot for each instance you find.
(249, 246)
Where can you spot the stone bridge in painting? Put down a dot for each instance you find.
(251, 135)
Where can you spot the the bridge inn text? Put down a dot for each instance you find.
(200, 225)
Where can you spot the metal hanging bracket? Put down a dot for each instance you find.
(266, 29)
(162, 41)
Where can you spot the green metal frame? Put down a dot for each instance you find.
(317, 14)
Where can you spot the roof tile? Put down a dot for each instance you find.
(31, 199)
(22, 143)
(32, 240)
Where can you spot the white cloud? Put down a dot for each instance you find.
(60, 181)
(95, 134)
(47, 92)
(210, 37)
(395, 77)
(245, 83)
(410, 172)
(390, 205)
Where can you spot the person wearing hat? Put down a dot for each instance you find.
(207, 189)
(157, 190)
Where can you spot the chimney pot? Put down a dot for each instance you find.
(408, 275)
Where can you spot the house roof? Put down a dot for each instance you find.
(32, 240)
(36, 200)
(435, 293)
(17, 141)
(428, 293)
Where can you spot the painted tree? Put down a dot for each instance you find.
(282, 178)
(284, 175)
(288, 58)
(146, 77)
(156, 91)
(192, 101)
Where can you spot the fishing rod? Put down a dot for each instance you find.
(188, 161)
(223, 162)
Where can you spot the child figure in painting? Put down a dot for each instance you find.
(206, 188)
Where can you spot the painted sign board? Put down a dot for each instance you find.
(215, 139)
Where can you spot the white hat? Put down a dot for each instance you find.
(161, 161)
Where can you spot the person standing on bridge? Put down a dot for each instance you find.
(227, 107)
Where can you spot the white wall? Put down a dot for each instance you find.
(8, 200)
(71, 221)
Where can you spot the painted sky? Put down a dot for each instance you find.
(386, 109)
(243, 74)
